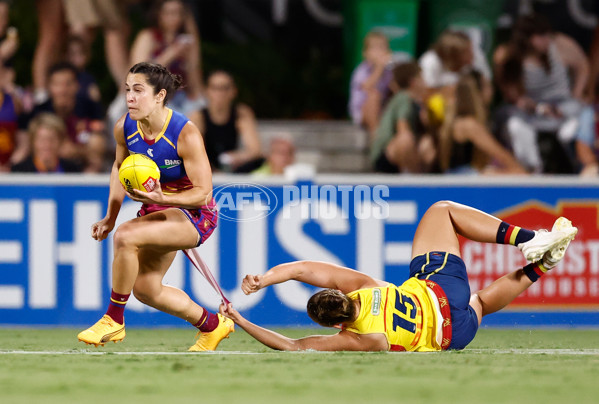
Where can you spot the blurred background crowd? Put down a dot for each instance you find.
(388, 86)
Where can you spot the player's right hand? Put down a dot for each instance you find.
(101, 229)
(251, 284)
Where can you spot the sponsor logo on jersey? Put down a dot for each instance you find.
(168, 163)
(133, 141)
(151, 152)
(376, 302)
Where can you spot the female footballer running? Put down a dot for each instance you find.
(433, 310)
(181, 217)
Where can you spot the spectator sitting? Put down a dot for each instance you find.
(77, 54)
(402, 142)
(8, 129)
(369, 88)
(174, 42)
(464, 135)
(281, 154)
(532, 73)
(587, 141)
(83, 118)
(452, 55)
(46, 133)
(230, 129)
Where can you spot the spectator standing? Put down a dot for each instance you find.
(50, 36)
(85, 16)
(403, 143)
(229, 128)
(174, 42)
(369, 88)
(9, 44)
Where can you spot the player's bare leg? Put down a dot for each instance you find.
(443, 221)
(144, 250)
(149, 289)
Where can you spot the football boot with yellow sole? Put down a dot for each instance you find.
(208, 341)
(105, 330)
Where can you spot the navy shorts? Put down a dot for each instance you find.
(449, 272)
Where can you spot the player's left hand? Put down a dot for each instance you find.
(227, 310)
(154, 197)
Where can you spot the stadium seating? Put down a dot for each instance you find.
(330, 146)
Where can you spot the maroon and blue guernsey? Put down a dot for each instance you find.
(173, 178)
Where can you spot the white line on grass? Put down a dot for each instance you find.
(519, 351)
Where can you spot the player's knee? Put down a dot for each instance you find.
(441, 206)
(124, 237)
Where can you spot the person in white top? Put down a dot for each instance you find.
(453, 55)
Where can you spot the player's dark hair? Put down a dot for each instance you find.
(330, 307)
(62, 66)
(159, 77)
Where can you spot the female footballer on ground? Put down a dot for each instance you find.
(433, 309)
(181, 217)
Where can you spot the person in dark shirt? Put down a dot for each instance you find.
(229, 128)
(47, 132)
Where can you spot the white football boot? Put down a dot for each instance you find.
(555, 241)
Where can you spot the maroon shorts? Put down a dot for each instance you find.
(204, 219)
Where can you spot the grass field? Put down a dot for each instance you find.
(151, 366)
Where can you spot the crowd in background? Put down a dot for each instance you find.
(448, 111)
(60, 125)
(532, 110)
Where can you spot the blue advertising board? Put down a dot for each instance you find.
(53, 273)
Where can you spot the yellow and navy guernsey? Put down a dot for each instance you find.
(162, 149)
(411, 316)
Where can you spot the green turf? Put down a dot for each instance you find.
(471, 376)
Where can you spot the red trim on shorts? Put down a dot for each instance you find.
(445, 313)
